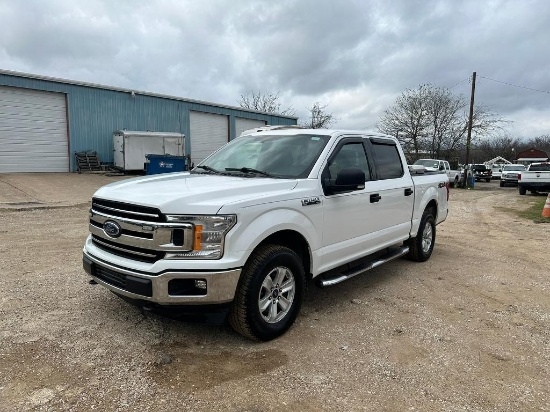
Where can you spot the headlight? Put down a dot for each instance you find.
(208, 235)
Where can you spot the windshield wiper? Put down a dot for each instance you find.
(248, 170)
(208, 169)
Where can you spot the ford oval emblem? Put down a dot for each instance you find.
(112, 229)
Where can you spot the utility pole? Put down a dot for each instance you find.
(469, 138)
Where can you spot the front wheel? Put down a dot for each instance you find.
(501, 183)
(422, 246)
(522, 190)
(269, 294)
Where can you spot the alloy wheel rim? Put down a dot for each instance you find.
(427, 238)
(276, 294)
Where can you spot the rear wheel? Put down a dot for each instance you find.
(269, 294)
(501, 183)
(522, 190)
(422, 246)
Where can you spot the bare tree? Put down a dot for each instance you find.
(503, 146)
(264, 102)
(432, 120)
(318, 117)
(407, 119)
(540, 142)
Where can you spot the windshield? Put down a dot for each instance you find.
(434, 164)
(514, 168)
(279, 156)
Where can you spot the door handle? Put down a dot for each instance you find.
(375, 198)
(408, 191)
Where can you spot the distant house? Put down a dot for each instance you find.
(496, 166)
(497, 160)
(531, 156)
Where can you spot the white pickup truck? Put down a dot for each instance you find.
(247, 228)
(434, 165)
(536, 178)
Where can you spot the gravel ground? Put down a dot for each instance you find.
(467, 330)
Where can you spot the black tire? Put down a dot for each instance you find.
(454, 183)
(487, 180)
(276, 263)
(422, 246)
(501, 183)
(522, 190)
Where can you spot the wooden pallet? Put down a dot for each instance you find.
(87, 162)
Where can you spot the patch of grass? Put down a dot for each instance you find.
(534, 211)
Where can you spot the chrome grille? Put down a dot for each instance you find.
(144, 234)
(127, 211)
(127, 232)
(130, 252)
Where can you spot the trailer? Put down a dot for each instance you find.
(131, 147)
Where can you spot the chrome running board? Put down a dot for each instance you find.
(393, 254)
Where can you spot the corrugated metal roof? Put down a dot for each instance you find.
(143, 93)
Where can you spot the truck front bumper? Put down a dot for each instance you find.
(165, 288)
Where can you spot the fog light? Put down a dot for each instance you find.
(200, 284)
(187, 287)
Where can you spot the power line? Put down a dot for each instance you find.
(515, 85)
(462, 81)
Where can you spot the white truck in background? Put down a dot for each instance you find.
(246, 229)
(434, 165)
(510, 174)
(536, 178)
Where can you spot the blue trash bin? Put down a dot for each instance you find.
(164, 164)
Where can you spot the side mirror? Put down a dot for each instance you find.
(347, 180)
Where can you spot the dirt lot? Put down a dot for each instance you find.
(467, 330)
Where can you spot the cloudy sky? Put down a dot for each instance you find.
(356, 56)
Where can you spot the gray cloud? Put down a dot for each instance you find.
(357, 56)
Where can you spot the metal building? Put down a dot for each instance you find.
(44, 121)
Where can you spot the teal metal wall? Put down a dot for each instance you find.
(95, 112)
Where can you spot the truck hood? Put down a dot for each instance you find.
(184, 193)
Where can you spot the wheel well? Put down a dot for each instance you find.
(294, 241)
(432, 207)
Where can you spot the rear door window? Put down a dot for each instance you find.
(388, 161)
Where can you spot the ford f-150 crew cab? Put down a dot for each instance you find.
(536, 178)
(252, 223)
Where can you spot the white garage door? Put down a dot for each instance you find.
(244, 124)
(209, 132)
(33, 131)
